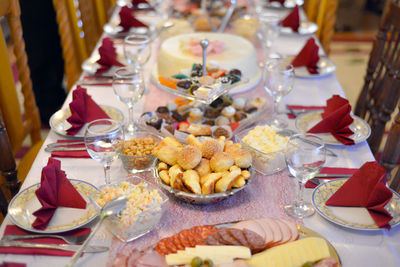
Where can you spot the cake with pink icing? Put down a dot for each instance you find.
(225, 51)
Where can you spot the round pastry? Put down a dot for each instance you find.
(228, 112)
(203, 168)
(221, 131)
(241, 157)
(211, 112)
(221, 162)
(210, 147)
(240, 115)
(189, 157)
(222, 120)
(168, 154)
(195, 115)
(239, 103)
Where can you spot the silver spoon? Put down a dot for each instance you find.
(113, 207)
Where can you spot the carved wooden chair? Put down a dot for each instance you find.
(19, 124)
(391, 153)
(381, 91)
(323, 13)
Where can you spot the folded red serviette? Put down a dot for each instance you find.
(83, 110)
(332, 171)
(294, 107)
(12, 264)
(71, 154)
(55, 191)
(292, 20)
(108, 56)
(128, 20)
(12, 229)
(308, 57)
(366, 188)
(336, 120)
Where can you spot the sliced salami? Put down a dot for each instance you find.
(184, 238)
(177, 242)
(212, 240)
(226, 237)
(256, 242)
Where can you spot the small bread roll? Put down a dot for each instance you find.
(209, 184)
(170, 141)
(221, 140)
(229, 146)
(246, 174)
(189, 157)
(193, 141)
(165, 177)
(210, 147)
(176, 174)
(191, 180)
(239, 182)
(221, 162)
(168, 154)
(225, 183)
(162, 166)
(242, 157)
(211, 175)
(203, 168)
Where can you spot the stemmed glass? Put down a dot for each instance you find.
(128, 84)
(137, 49)
(104, 140)
(268, 32)
(279, 81)
(305, 156)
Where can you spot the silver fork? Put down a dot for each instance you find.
(73, 240)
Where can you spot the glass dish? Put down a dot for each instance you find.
(135, 164)
(264, 163)
(130, 227)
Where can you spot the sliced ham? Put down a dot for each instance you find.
(285, 230)
(269, 234)
(226, 238)
(251, 225)
(239, 236)
(256, 242)
(293, 229)
(275, 229)
(152, 259)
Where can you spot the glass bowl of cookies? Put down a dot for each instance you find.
(266, 147)
(137, 155)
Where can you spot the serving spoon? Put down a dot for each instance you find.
(113, 207)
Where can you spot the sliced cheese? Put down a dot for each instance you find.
(294, 253)
(240, 252)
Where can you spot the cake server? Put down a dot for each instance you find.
(21, 244)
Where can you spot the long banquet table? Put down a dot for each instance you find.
(264, 197)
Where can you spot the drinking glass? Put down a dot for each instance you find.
(268, 32)
(104, 140)
(128, 84)
(279, 81)
(137, 49)
(305, 156)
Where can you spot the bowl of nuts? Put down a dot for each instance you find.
(137, 155)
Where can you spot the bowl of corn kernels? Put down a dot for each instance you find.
(137, 154)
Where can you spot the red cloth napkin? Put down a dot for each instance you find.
(108, 56)
(292, 20)
(366, 188)
(12, 264)
(308, 57)
(83, 110)
(336, 120)
(294, 107)
(55, 191)
(331, 170)
(128, 20)
(13, 229)
(70, 154)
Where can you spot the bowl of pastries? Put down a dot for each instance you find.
(266, 147)
(137, 154)
(204, 171)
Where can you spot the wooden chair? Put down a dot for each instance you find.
(19, 124)
(381, 91)
(323, 13)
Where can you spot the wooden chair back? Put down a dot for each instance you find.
(323, 13)
(381, 91)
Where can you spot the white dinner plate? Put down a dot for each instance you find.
(59, 124)
(306, 28)
(114, 30)
(325, 67)
(356, 218)
(306, 121)
(286, 4)
(25, 203)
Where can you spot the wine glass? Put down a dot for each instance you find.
(268, 32)
(137, 49)
(128, 84)
(104, 140)
(279, 81)
(305, 156)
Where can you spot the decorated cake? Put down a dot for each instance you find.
(226, 51)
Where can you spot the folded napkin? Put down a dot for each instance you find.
(292, 20)
(83, 110)
(108, 56)
(12, 264)
(295, 107)
(128, 20)
(70, 154)
(331, 170)
(55, 191)
(336, 119)
(366, 188)
(308, 57)
(12, 229)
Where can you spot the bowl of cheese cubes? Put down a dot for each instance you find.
(266, 146)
